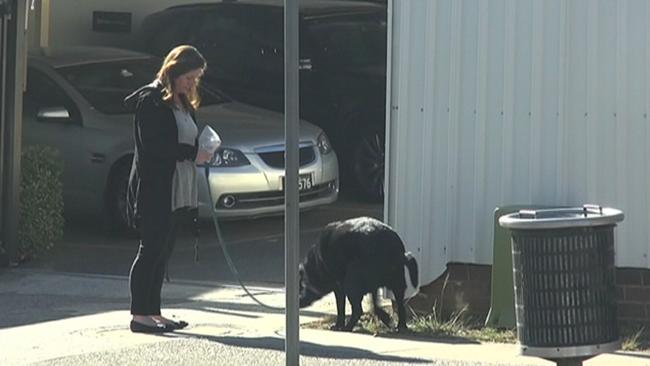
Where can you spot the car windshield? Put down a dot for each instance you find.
(350, 44)
(106, 84)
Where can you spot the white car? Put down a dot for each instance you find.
(73, 102)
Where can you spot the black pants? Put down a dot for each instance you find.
(148, 269)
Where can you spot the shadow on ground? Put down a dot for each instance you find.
(306, 348)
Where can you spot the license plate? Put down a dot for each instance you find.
(305, 182)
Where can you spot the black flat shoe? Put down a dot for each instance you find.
(143, 328)
(179, 324)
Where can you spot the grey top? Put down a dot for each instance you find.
(184, 183)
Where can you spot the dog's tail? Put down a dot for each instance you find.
(412, 265)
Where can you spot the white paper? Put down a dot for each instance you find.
(209, 140)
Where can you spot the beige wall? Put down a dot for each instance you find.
(33, 28)
(70, 21)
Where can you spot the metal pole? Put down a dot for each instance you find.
(291, 197)
(389, 185)
(577, 361)
(4, 19)
(16, 47)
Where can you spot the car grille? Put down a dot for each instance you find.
(275, 159)
(274, 198)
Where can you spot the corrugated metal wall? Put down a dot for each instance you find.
(501, 102)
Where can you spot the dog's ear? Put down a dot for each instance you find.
(301, 276)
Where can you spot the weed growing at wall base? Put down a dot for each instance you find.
(461, 326)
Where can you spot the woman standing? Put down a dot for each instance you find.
(163, 181)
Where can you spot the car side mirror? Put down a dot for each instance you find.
(53, 114)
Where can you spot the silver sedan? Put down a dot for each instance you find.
(73, 102)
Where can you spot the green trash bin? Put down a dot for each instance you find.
(502, 299)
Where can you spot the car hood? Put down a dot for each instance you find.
(246, 128)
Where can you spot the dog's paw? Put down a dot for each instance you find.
(401, 329)
(337, 327)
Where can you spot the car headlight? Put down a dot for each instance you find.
(324, 144)
(225, 157)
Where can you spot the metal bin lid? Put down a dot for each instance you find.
(558, 218)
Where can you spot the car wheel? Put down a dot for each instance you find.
(116, 196)
(368, 164)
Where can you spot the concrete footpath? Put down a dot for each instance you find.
(53, 318)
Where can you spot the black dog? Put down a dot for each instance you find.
(353, 258)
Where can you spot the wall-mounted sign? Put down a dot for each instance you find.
(111, 21)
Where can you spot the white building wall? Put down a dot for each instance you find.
(499, 102)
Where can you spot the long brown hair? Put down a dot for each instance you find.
(180, 60)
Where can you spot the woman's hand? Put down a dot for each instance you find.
(202, 156)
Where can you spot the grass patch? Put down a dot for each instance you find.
(635, 338)
(462, 325)
(433, 326)
(459, 325)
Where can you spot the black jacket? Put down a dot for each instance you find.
(154, 161)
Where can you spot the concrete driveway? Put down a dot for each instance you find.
(50, 318)
(71, 308)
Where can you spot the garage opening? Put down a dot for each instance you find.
(86, 56)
